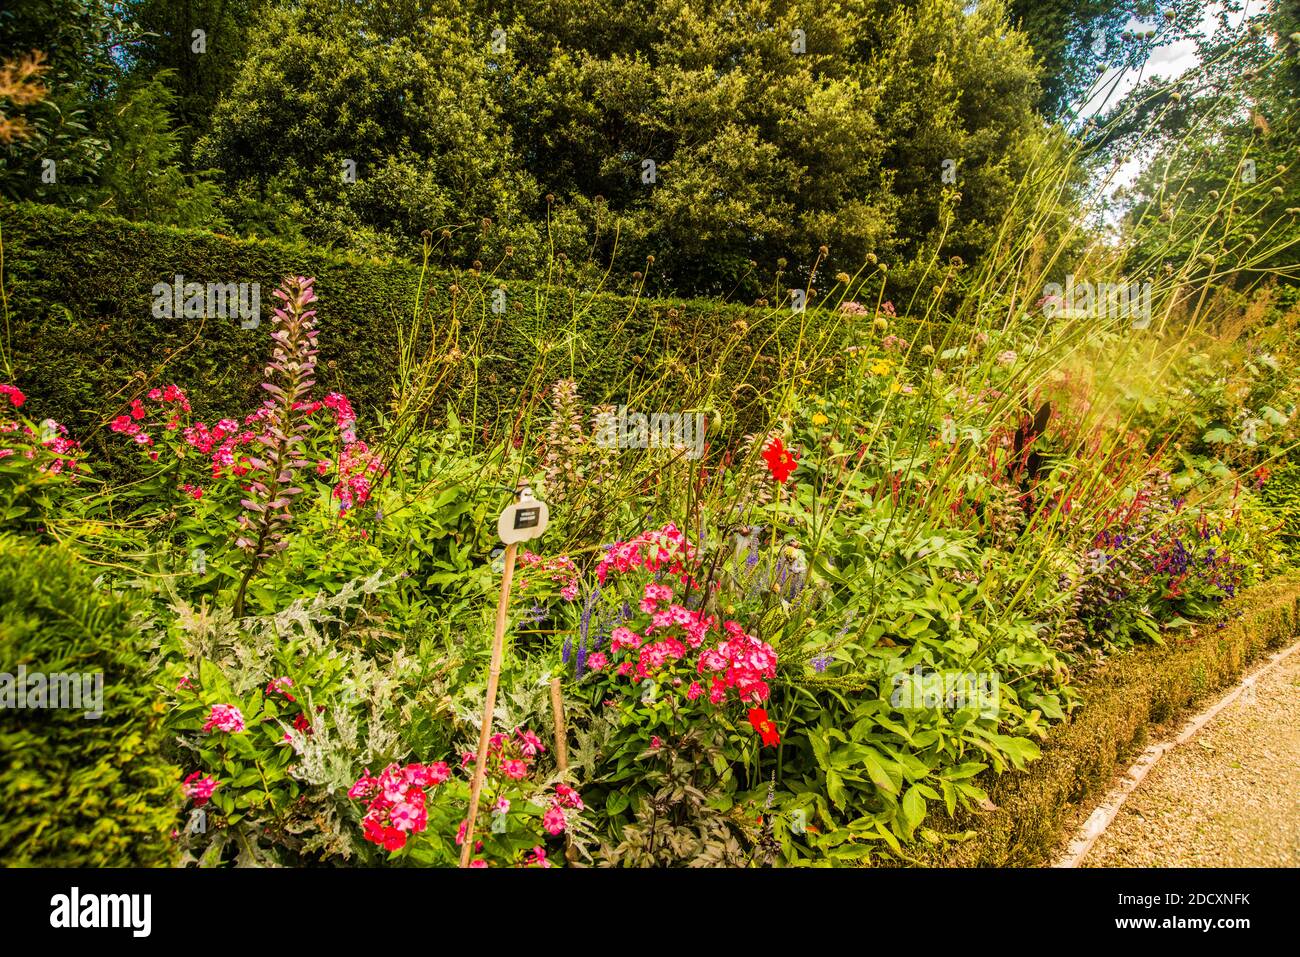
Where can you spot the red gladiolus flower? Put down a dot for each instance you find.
(758, 718)
(781, 462)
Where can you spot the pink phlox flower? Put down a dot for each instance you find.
(224, 717)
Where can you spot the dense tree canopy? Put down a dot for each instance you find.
(728, 139)
(718, 137)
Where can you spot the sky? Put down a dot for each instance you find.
(1165, 62)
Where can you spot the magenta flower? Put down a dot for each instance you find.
(224, 717)
(553, 820)
(199, 788)
(529, 743)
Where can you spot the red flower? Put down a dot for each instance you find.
(781, 462)
(758, 718)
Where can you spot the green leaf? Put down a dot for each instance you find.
(835, 789)
(878, 775)
(616, 802)
(913, 810)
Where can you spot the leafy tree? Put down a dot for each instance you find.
(1222, 149)
(377, 135)
(142, 176)
(197, 47)
(1073, 39)
(83, 42)
(774, 128)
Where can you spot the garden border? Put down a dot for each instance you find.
(1121, 703)
(1105, 813)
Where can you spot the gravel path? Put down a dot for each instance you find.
(1229, 797)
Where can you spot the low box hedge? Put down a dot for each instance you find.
(1121, 702)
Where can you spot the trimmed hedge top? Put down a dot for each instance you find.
(85, 340)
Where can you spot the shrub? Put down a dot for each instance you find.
(84, 341)
(77, 790)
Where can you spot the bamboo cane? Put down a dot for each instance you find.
(561, 733)
(485, 732)
(561, 751)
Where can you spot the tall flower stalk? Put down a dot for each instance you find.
(267, 515)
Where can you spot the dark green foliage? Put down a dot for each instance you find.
(142, 176)
(774, 129)
(78, 39)
(1281, 495)
(414, 114)
(84, 340)
(76, 791)
(167, 51)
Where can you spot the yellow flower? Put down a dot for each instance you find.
(819, 419)
(881, 367)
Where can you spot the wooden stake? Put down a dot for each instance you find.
(561, 752)
(494, 677)
(561, 733)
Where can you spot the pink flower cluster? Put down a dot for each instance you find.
(742, 663)
(199, 788)
(356, 466)
(13, 394)
(226, 441)
(55, 441)
(514, 757)
(224, 717)
(397, 801)
(344, 417)
(129, 423)
(513, 754)
(281, 687)
(171, 395)
(555, 821)
(560, 570)
(537, 858)
(666, 549)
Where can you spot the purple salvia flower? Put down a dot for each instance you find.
(584, 621)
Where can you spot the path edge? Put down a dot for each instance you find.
(1152, 685)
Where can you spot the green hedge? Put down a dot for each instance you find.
(78, 790)
(84, 341)
(1281, 495)
(1121, 702)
